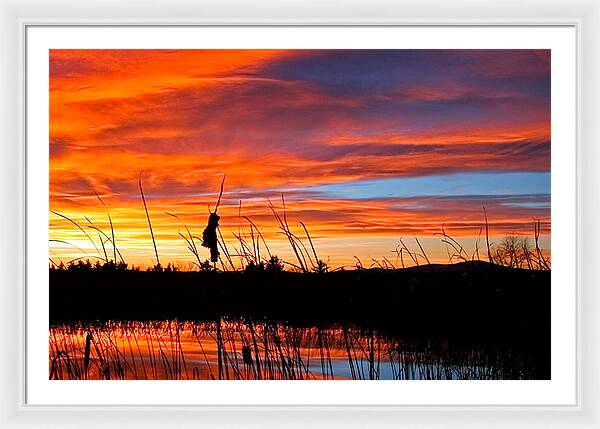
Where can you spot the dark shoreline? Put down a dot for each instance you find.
(479, 304)
(463, 300)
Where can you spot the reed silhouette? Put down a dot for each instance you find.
(263, 315)
(514, 252)
(247, 350)
(209, 235)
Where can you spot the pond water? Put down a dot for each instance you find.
(242, 350)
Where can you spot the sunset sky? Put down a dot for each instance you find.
(368, 146)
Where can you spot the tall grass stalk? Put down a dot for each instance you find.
(78, 227)
(148, 217)
(112, 229)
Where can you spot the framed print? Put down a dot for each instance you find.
(238, 219)
(254, 233)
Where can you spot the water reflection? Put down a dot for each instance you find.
(245, 350)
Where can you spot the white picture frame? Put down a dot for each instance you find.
(17, 16)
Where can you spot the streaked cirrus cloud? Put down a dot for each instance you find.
(313, 125)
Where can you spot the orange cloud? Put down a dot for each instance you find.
(185, 117)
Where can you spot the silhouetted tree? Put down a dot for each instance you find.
(513, 251)
(274, 265)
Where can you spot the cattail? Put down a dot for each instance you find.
(86, 357)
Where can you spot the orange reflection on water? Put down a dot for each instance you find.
(242, 351)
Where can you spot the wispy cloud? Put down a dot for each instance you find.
(393, 124)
